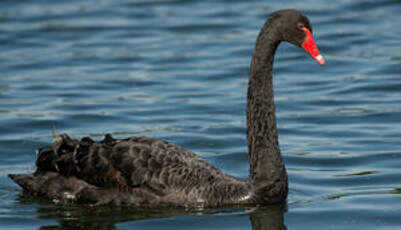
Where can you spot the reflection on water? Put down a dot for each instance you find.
(88, 217)
(268, 218)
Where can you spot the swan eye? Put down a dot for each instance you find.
(301, 26)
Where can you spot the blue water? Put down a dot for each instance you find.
(178, 70)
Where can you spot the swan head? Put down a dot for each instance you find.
(296, 29)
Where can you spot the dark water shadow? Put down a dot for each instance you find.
(106, 218)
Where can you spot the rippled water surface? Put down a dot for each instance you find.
(178, 70)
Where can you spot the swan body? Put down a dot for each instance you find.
(146, 172)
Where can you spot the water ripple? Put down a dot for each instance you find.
(178, 70)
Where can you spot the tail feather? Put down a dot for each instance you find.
(26, 181)
(53, 185)
(70, 166)
(57, 157)
(85, 159)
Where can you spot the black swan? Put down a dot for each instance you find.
(146, 172)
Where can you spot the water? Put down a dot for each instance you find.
(177, 70)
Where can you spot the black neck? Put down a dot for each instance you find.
(266, 163)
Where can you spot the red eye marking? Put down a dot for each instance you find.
(301, 26)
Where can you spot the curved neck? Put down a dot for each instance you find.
(266, 163)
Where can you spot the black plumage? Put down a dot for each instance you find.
(146, 172)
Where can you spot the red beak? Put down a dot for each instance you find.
(310, 47)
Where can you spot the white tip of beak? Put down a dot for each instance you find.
(319, 58)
